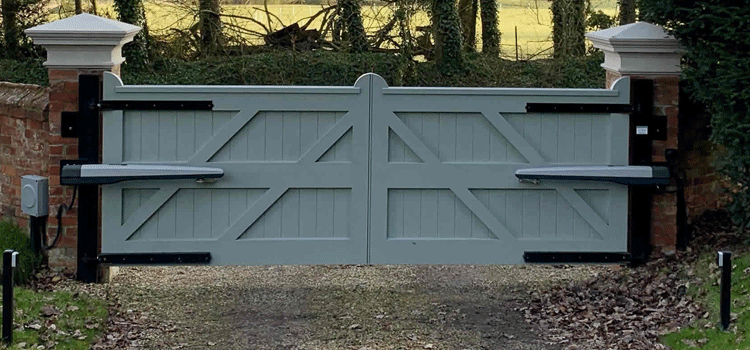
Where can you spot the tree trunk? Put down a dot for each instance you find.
(133, 12)
(78, 7)
(449, 52)
(11, 32)
(627, 11)
(490, 32)
(568, 28)
(210, 25)
(467, 13)
(93, 8)
(355, 30)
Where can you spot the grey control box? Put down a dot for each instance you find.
(35, 195)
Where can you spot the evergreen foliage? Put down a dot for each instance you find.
(15, 16)
(351, 13)
(449, 51)
(568, 28)
(133, 12)
(490, 31)
(14, 237)
(715, 36)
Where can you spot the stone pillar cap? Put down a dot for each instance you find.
(83, 41)
(639, 48)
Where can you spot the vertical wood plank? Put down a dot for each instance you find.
(396, 148)
(565, 218)
(290, 214)
(532, 131)
(291, 132)
(481, 139)
(547, 210)
(256, 137)
(514, 212)
(185, 135)
(582, 139)
(463, 218)
(167, 136)
(324, 213)
(447, 146)
(395, 214)
(341, 205)
(431, 131)
(548, 136)
(237, 204)
(326, 121)
(478, 228)
(446, 214)
(308, 130)
(132, 136)
(600, 143)
(498, 147)
(184, 201)
(428, 215)
(150, 136)
(566, 139)
(274, 136)
(272, 219)
(203, 128)
(307, 212)
(219, 212)
(531, 213)
(202, 208)
(167, 216)
(412, 212)
(497, 201)
(464, 137)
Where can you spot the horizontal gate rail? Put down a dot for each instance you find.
(156, 105)
(575, 257)
(155, 258)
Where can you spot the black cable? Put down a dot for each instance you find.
(60, 210)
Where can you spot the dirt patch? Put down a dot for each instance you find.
(338, 307)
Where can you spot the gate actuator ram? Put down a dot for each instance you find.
(103, 174)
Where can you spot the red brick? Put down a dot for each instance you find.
(56, 150)
(62, 75)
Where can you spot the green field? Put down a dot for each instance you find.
(532, 19)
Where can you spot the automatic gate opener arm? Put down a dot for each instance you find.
(626, 175)
(101, 174)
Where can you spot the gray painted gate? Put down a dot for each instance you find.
(364, 174)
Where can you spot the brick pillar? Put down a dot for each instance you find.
(82, 44)
(645, 51)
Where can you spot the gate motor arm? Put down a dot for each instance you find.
(626, 175)
(102, 174)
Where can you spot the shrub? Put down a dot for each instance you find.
(714, 34)
(13, 237)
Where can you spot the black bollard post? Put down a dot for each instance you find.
(9, 264)
(725, 263)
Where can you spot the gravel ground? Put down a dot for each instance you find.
(334, 307)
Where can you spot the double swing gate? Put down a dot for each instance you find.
(367, 174)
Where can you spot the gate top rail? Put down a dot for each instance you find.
(114, 89)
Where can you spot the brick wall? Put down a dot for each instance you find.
(24, 131)
(30, 144)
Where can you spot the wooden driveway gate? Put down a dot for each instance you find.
(363, 174)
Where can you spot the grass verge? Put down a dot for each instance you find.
(60, 320)
(705, 333)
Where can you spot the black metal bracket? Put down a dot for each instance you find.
(69, 124)
(154, 258)
(578, 108)
(575, 257)
(156, 105)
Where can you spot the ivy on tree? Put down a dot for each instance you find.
(449, 51)
(568, 28)
(133, 12)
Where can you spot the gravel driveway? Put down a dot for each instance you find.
(338, 307)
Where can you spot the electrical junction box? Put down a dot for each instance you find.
(35, 195)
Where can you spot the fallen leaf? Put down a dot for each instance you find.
(355, 326)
